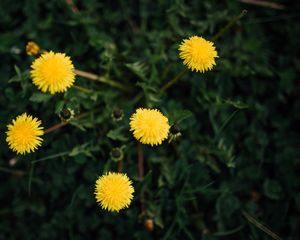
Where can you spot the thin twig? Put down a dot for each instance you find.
(259, 225)
(264, 4)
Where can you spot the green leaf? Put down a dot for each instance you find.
(139, 69)
(237, 104)
(40, 97)
(226, 205)
(80, 158)
(272, 189)
(179, 115)
(117, 134)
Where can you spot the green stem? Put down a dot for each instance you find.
(112, 83)
(82, 89)
(214, 38)
(61, 154)
(30, 178)
(13, 171)
(229, 25)
(261, 226)
(174, 80)
(102, 79)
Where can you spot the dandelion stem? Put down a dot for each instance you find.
(120, 166)
(82, 89)
(30, 178)
(102, 79)
(214, 38)
(140, 162)
(141, 176)
(174, 80)
(12, 171)
(55, 127)
(62, 124)
(229, 25)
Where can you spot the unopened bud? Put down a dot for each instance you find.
(174, 133)
(117, 154)
(32, 49)
(66, 114)
(149, 224)
(117, 114)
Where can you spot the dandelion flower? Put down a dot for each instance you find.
(23, 135)
(198, 54)
(32, 49)
(149, 126)
(53, 72)
(114, 191)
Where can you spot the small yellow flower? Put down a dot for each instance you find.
(114, 191)
(53, 72)
(149, 126)
(32, 49)
(198, 54)
(24, 133)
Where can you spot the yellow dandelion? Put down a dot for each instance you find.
(149, 126)
(114, 191)
(53, 72)
(32, 49)
(23, 135)
(198, 54)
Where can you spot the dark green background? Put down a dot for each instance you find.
(236, 165)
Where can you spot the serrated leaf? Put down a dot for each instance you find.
(117, 134)
(138, 69)
(19, 75)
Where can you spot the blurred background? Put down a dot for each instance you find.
(234, 171)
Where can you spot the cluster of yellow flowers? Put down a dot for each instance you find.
(54, 73)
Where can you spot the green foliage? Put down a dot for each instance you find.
(239, 146)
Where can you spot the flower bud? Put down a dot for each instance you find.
(117, 114)
(116, 154)
(175, 133)
(66, 114)
(149, 224)
(32, 49)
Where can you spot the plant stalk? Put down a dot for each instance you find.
(141, 176)
(214, 38)
(229, 25)
(82, 89)
(102, 79)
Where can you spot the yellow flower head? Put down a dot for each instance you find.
(24, 133)
(53, 72)
(114, 191)
(149, 126)
(32, 49)
(198, 54)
